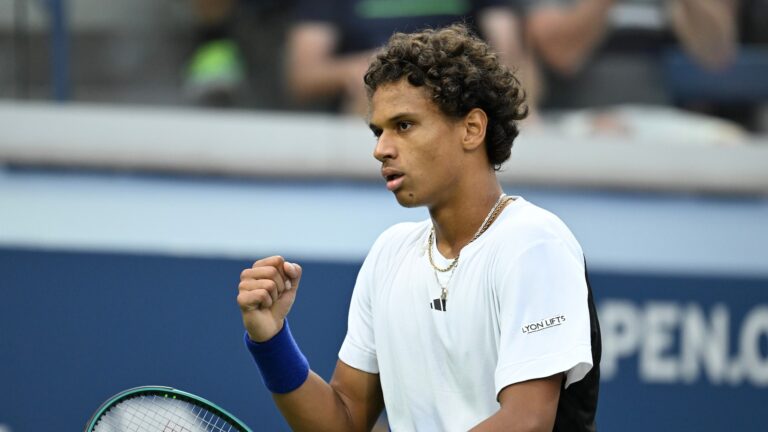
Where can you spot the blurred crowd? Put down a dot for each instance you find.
(598, 65)
(699, 55)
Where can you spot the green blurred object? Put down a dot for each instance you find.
(215, 73)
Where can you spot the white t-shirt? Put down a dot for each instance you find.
(516, 310)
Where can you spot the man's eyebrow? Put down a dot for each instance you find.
(395, 118)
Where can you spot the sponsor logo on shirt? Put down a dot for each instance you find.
(436, 304)
(544, 324)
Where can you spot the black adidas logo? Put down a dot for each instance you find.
(438, 304)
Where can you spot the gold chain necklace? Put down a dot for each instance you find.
(489, 219)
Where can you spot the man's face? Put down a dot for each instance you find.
(418, 146)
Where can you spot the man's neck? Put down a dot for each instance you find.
(457, 220)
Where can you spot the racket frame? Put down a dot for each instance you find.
(168, 392)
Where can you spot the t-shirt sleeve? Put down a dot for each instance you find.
(543, 315)
(359, 348)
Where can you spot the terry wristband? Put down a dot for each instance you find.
(283, 367)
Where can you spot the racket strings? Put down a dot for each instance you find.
(125, 418)
(155, 413)
(143, 414)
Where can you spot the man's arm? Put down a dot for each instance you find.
(351, 402)
(315, 72)
(565, 36)
(502, 29)
(527, 406)
(706, 28)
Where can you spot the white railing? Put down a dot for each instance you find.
(272, 144)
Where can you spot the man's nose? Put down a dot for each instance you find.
(385, 147)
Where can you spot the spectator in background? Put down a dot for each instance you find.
(216, 69)
(605, 52)
(331, 42)
(237, 58)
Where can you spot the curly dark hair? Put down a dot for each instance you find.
(460, 73)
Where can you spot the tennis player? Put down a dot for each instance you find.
(478, 318)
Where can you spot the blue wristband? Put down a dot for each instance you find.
(283, 367)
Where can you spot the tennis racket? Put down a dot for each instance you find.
(161, 409)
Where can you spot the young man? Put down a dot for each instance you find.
(478, 318)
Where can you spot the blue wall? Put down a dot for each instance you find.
(683, 353)
(108, 281)
(688, 352)
(80, 327)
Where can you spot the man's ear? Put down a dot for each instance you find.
(475, 123)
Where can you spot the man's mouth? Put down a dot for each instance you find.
(394, 181)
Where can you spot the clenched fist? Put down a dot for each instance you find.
(266, 293)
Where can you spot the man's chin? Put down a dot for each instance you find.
(407, 199)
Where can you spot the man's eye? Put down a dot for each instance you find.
(403, 126)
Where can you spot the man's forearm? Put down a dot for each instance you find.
(565, 37)
(320, 79)
(314, 71)
(502, 29)
(315, 406)
(706, 28)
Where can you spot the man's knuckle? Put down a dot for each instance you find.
(246, 299)
(265, 298)
(270, 285)
(271, 272)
